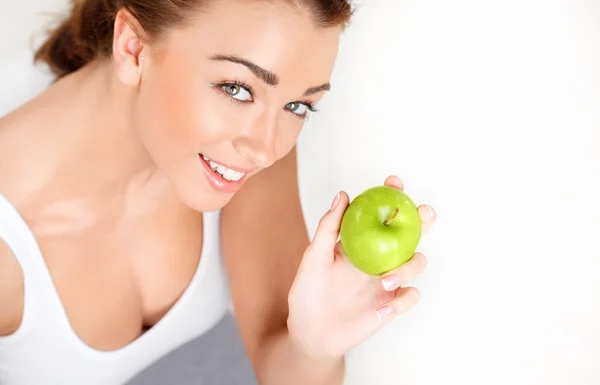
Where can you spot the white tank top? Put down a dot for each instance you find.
(46, 351)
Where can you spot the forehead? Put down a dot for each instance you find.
(276, 36)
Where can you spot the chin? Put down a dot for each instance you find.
(201, 188)
(202, 198)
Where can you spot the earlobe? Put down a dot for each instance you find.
(127, 48)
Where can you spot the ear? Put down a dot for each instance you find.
(127, 49)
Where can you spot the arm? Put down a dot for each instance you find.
(11, 291)
(264, 238)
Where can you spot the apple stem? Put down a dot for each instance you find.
(390, 219)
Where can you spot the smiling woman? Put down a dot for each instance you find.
(248, 61)
(167, 138)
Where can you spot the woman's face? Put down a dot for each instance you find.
(227, 96)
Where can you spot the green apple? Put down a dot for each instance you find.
(380, 230)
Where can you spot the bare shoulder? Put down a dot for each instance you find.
(11, 291)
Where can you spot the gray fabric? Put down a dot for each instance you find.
(217, 357)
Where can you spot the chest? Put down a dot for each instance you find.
(118, 275)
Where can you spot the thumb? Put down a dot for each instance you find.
(328, 229)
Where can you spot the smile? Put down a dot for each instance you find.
(226, 173)
(222, 178)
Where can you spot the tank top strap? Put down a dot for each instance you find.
(17, 235)
(41, 295)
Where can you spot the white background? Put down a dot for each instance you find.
(490, 111)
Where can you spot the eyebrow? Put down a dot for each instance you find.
(265, 75)
(316, 90)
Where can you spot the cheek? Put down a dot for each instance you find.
(176, 112)
(164, 114)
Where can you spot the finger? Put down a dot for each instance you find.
(339, 254)
(406, 298)
(405, 273)
(428, 217)
(427, 213)
(394, 181)
(359, 277)
(328, 229)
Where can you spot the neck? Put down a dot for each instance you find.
(77, 140)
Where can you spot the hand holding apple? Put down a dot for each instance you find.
(333, 305)
(380, 230)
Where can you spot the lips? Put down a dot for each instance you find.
(223, 178)
(226, 172)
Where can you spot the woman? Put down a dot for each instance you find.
(164, 110)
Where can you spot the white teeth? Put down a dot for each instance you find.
(238, 175)
(229, 174)
(225, 172)
(232, 175)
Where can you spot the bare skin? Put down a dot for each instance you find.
(106, 160)
(104, 167)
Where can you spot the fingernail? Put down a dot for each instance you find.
(390, 282)
(401, 182)
(431, 212)
(384, 312)
(335, 202)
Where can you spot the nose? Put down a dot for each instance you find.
(257, 143)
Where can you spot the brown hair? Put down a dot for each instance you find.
(88, 31)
